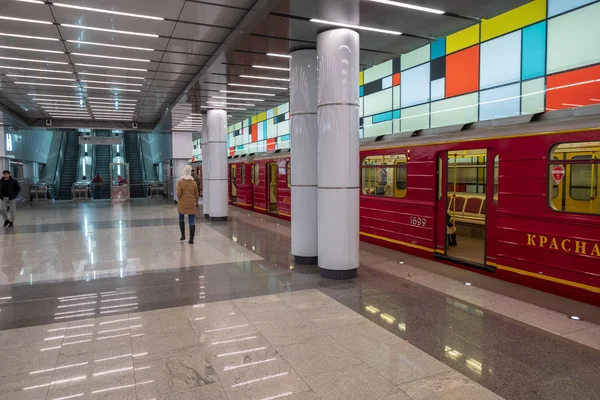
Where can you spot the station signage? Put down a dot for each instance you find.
(100, 140)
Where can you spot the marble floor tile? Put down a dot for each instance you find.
(402, 362)
(447, 386)
(209, 392)
(330, 317)
(503, 305)
(318, 356)
(589, 337)
(277, 312)
(120, 387)
(23, 360)
(239, 350)
(363, 337)
(304, 300)
(156, 347)
(260, 381)
(353, 383)
(35, 385)
(159, 323)
(31, 336)
(552, 321)
(283, 333)
(175, 374)
(211, 310)
(252, 302)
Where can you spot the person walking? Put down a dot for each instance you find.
(9, 190)
(97, 184)
(187, 201)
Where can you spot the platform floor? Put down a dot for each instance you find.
(103, 302)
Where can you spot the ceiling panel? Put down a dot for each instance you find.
(198, 32)
(185, 58)
(189, 69)
(212, 14)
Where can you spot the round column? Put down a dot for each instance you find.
(338, 156)
(205, 169)
(217, 161)
(303, 129)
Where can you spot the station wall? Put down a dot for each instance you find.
(539, 57)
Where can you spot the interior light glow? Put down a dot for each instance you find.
(32, 1)
(99, 10)
(48, 102)
(110, 57)
(57, 382)
(279, 55)
(257, 86)
(372, 309)
(29, 36)
(120, 387)
(260, 379)
(265, 77)
(32, 60)
(468, 283)
(410, 6)
(110, 45)
(36, 69)
(231, 367)
(34, 21)
(115, 89)
(108, 108)
(575, 317)
(121, 100)
(111, 67)
(46, 84)
(250, 93)
(358, 27)
(239, 98)
(40, 77)
(30, 49)
(387, 318)
(125, 118)
(112, 76)
(41, 371)
(62, 97)
(240, 352)
(273, 68)
(112, 83)
(91, 28)
(402, 326)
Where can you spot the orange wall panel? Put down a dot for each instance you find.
(396, 79)
(254, 132)
(462, 72)
(574, 88)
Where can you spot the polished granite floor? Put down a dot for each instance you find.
(233, 318)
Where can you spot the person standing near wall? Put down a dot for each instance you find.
(187, 201)
(9, 190)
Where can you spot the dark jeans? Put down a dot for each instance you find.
(191, 218)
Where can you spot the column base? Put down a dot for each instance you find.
(339, 274)
(306, 260)
(206, 216)
(217, 219)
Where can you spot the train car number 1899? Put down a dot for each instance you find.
(418, 221)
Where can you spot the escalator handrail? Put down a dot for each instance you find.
(59, 166)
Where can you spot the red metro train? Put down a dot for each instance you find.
(519, 194)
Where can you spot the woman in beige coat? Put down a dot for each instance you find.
(187, 201)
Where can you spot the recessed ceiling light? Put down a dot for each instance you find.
(99, 10)
(267, 67)
(111, 45)
(250, 93)
(109, 98)
(91, 28)
(62, 105)
(111, 67)
(34, 21)
(225, 108)
(231, 104)
(70, 117)
(36, 61)
(115, 89)
(257, 86)
(45, 84)
(468, 283)
(112, 76)
(110, 57)
(28, 36)
(575, 318)
(363, 28)
(36, 69)
(411, 6)
(50, 101)
(112, 83)
(236, 98)
(265, 77)
(279, 55)
(32, 1)
(53, 95)
(40, 77)
(69, 112)
(30, 49)
(113, 107)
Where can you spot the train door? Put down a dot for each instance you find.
(272, 186)
(232, 178)
(462, 205)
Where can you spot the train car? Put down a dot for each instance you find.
(240, 188)
(272, 185)
(517, 202)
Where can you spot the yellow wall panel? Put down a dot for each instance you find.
(275, 111)
(462, 39)
(361, 78)
(262, 116)
(512, 20)
(254, 119)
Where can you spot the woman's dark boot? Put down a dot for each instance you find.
(182, 229)
(192, 233)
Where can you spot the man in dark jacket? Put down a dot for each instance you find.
(9, 190)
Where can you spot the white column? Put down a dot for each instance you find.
(338, 156)
(182, 153)
(4, 163)
(217, 154)
(303, 127)
(205, 168)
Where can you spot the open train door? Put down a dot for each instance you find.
(441, 204)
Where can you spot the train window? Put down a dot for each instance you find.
(574, 177)
(243, 174)
(288, 171)
(385, 175)
(440, 177)
(496, 177)
(252, 173)
(255, 173)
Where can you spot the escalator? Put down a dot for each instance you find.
(69, 169)
(132, 156)
(102, 167)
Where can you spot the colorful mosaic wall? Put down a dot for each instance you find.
(266, 131)
(541, 56)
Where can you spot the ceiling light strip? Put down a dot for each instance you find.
(36, 69)
(32, 60)
(112, 83)
(273, 68)
(45, 84)
(100, 10)
(265, 78)
(53, 95)
(358, 27)
(33, 21)
(30, 49)
(258, 86)
(250, 93)
(40, 77)
(236, 98)
(108, 98)
(110, 45)
(410, 6)
(279, 55)
(92, 28)
(29, 36)
(110, 57)
(115, 89)
(110, 67)
(111, 76)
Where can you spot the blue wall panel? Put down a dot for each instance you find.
(534, 51)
